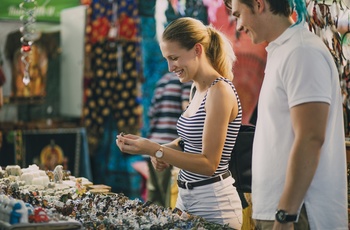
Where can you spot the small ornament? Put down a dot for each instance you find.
(81, 189)
(26, 48)
(58, 174)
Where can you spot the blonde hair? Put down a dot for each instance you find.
(189, 31)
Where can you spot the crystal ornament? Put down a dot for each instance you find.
(29, 34)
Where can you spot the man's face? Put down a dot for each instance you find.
(247, 20)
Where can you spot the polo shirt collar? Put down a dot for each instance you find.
(288, 33)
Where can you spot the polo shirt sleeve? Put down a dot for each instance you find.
(303, 81)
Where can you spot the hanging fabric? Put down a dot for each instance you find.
(113, 67)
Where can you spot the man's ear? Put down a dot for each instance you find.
(259, 5)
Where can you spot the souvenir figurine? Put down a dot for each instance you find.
(80, 187)
(58, 174)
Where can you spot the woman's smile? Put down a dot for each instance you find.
(178, 73)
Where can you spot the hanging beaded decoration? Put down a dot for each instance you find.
(29, 34)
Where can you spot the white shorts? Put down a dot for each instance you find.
(218, 202)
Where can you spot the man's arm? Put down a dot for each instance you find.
(309, 122)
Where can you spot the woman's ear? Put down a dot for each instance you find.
(198, 49)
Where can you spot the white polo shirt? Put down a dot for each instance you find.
(299, 69)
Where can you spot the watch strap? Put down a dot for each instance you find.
(291, 218)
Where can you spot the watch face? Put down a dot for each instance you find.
(159, 154)
(281, 216)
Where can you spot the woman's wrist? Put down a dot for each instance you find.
(159, 153)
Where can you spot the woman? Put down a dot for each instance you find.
(208, 127)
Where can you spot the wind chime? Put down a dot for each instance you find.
(29, 34)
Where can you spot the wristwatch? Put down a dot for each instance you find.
(159, 154)
(283, 217)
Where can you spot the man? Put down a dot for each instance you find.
(299, 160)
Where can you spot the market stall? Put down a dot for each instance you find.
(93, 66)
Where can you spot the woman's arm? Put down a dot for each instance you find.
(219, 107)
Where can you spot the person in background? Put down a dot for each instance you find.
(169, 100)
(299, 161)
(208, 127)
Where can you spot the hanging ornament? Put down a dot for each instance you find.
(29, 34)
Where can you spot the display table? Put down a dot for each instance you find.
(68, 202)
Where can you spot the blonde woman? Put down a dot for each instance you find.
(208, 127)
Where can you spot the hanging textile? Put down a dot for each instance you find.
(114, 88)
(112, 91)
(154, 66)
(112, 67)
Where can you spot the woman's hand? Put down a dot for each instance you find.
(159, 165)
(133, 144)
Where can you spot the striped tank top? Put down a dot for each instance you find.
(190, 129)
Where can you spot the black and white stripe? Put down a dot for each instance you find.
(190, 129)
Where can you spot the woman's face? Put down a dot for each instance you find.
(182, 62)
